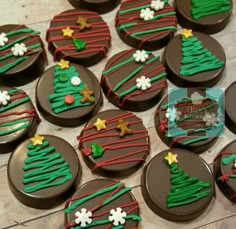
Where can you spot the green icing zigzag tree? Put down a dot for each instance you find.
(44, 167)
(196, 58)
(69, 90)
(185, 189)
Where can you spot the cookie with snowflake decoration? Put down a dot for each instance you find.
(114, 143)
(100, 6)
(147, 24)
(224, 168)
(134, 80)
(79, 36)
(191, 118)
(206, 16)
(18, 118)
(102, 203)
(68, 94)
(22, 55)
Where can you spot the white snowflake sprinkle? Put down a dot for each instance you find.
(75, 81)
(140, 56)
(83, 217)
(3, 39)
(210, 119)
(235, 163)
(146, 14)
(157, 5)
(117, 216)
(143, 83)
(19, 49)
(171, 113)
(4, 98)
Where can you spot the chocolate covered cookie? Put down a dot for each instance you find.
(146, 25)
(177, 185)
(22, 54)
(18, 118)
(225, 171)
(190, 118)
(79, 36)
(206, 16)
(102, 203)
(134, 80)
(114, 143)
(194, 59)
(68, 94)
(100, 6)
(43, 171)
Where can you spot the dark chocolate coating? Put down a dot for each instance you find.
(27, 70)
(230, 108)
(97, 184)
(150, 41)
(94, 54)
(147, 98)
(196, 147)
(172, 59)
(100, 6)
(155, 185)
(72, 117)
(10, 141)
(228, 188)
(47, 197)
(209, 24)
(120, 169)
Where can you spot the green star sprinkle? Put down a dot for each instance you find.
(97, 150)
(79, 44)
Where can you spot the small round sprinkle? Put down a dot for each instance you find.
(63, 78)
(69, 99)
(75, 80)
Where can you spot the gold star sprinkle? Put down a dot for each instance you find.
(68, 32)
(187, 33)
(171, 158)
(100, 124)
(63, 64)
(37, 140)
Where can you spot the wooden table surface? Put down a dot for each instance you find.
(221, 213)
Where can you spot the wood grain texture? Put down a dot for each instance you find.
(221, 214)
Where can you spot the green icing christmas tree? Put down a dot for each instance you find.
(69, 90)
(203, 8)
(184, 189)
(196, 58)
(44, 167)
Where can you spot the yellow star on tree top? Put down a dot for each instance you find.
(187, 33)
(37, 140)
(100, 124)
(63, 64)
(68, 32)
(171, 158)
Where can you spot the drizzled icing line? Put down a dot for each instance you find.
(116, 144)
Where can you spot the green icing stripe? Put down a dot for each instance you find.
(18, 31)
(48, 168)
(13, 64)
(14, 104)
(134, 9)
(228, 159)
(13, 130)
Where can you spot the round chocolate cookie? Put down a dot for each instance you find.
(18, 118)
(230, 107)
(114, 143)
(43, 171)
(190, 118)
(177, 185)
(100, 6)
(102, 203)
(134, 80)
(194, 59)
(22, 55)
(225, 171)
(206, 16)
(68, 95)
(147, 24)
(79, 36)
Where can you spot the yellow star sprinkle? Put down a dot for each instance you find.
(100, 124)
(63, 64)
(187, 33)
(171, 158)
(68, 32)
(37, 140)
